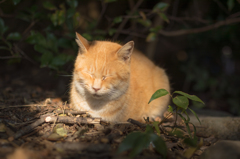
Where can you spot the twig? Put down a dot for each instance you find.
(9, 129)
(29, 27)
(221, 6)
(94, 133)
(120, 28)
(164, 119)
(54, 122)
(33, 132)
(70, 112)
(104, 7)
(78, 146)
(16, 106)
(132, 33)
(10, 57)
(199, 30)
(194, 19)
(135, 122)
(29, 128)
(72, 120)
(234, 15)
(5, 15)
(52, 119)
(17, 49)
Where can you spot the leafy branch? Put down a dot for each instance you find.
(137, 141)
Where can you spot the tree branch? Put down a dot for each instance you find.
(10, 57)
(120, 28)
(18, 50)
(199, 30)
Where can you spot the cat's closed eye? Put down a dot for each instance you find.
(90, 74)
(104, 77)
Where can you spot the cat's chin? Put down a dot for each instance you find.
(97, 96)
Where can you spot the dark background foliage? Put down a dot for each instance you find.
(196, 41)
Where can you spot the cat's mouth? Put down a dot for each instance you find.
(97, 95)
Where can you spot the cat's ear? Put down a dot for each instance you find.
(82, 43)
(125, 51)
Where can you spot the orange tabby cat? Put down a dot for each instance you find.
(115, 82)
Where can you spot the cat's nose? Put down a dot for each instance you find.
(96, 89)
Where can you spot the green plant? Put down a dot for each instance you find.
(137, 141)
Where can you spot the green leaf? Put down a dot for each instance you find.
(194, 128)
(54, 18)
(161, 6)
(15, 2)
(14, 36)
(61, 131)
(40, 48)
(3, 28)
(158, 93)
(58, 18)
(146, 22)
(46, 58)
(164, 17)
(70, 12)
(181, 101)
(188, 119)
(2, 25)
(112, 31)
(186, 123)
(36, 38)
(142, 142)
(76, 19)
(183, 118)
(151, 37)
(195, 115)
(64, 43)
(54, 137)
(51, 42)
(48, 5)
(170, 109)
(137, 141)
(155, 29)
(177, 132)
(129, 141)
(155, 124)
(149, 129)
(192, 97)
(72, 3)
(61, 59)
(230, 4)
(191, 141)
(87, 36)
(160, 145)
(117, 20)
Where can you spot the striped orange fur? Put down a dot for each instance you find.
(115, 82)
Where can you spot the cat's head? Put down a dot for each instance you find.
(102, 68)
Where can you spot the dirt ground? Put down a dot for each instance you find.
(28, 95)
